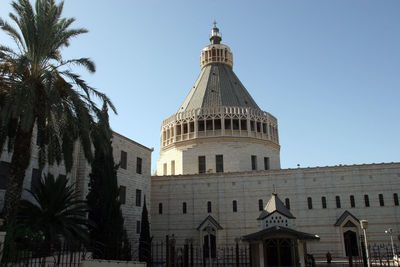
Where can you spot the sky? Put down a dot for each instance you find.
(329, 71)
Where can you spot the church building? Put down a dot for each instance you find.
(220, 162)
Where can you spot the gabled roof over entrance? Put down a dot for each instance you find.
(275, 231)
(210, 219)
(275, 205)
(344, 216)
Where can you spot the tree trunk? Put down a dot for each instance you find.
(19, 163)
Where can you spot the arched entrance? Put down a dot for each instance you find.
(350, 243)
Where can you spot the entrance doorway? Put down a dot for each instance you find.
(280, 252)
(350, 243)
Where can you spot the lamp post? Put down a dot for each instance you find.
(364, 226)
(390, 232)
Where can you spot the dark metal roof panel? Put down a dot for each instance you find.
(274, 230)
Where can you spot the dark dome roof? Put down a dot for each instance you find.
(217, 85)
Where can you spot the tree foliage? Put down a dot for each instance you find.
(145, 239)
(107, 235)
(39, 90)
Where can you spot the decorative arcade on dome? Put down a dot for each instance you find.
(217, 120)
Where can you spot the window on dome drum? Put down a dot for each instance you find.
(172, 167)
(309, 202)
(227, 124)
(243, 124)
(217, 124)
(122, 194)
(124, 157)
(396, 199)
(209, 210)
(201, 126)
(209, 125)
(159, 208)
(266, 163)
(165, 169)
(4, 169)
(202, 164)
(219, 163)
(234, 206)
(138, 227)
(287, 203)
(139, 165)
(366, 200)
(323, 200)
(352, 202)
(260, 205)
(235, 124)
(338, 205)
(381, 202)
(35, 180)
(184, 208)
(138, 197)
(253, 162)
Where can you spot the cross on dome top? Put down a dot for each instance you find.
(215, 35)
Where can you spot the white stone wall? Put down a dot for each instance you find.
(296, 184)
(236, 152)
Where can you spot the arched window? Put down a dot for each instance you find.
(209, 210)
(287, 203)
(396, 199)
(184, 209)
(381, 202)
(260, 205)
(366, 200)
(159, 208)
(338, 205)
(309, 202)
(352, 202)
(323, 200)
(234, 206)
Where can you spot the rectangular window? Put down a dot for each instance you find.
(266, 163)
(309, 202)
(381, 202)
(202, 164)
(138, 197)
(165, 169)
(122, 194)
(159, 208)
(124, 158)
(366, 200)
(139, 165)
(352, 202)
(254, 162)
(338, 205)
(260, 205)
(172, 167)
(35, 181)
(138, 227)
(184, 209)
(323, 200)
(219, 162)
(4, 168)
(234, 206)
(209, 210)
(396, 199)
(287, 203)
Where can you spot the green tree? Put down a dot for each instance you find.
(38, 90)
(107, 234)
(145, 239)
(56, 212)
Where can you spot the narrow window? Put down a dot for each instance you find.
(254, 162)
(243, 125)
(323, 200)
(381, 202)
(219, 162)
(184, 209)
(139, 165)
(202, 164)
(309, 202)
(138, 197)
(122, 194)
(35, 181)
(4, 169)
(138, 227)
(287, 203)
(234, 206)
(266, 163)
(352, 202)
(209, 206)
(260, 205)
(338, 202)
(172, 167)
(123, 159)
(366, 200)
(396, 199)
(165, 169)
(159, 208)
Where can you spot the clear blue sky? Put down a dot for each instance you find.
(328, 70)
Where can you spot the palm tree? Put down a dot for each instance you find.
(39, 92)
(56, 212)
